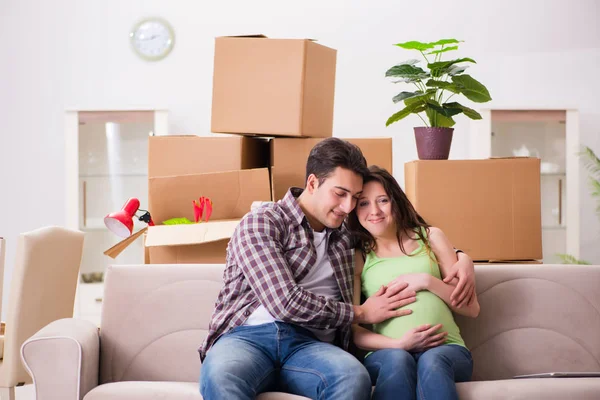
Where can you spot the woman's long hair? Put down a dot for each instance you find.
(407, 219)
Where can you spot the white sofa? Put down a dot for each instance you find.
(534, 318)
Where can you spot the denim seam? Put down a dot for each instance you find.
(309, 371)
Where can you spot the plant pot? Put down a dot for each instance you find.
(433, 143)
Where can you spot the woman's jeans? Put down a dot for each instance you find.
(428, 375)
(249, 360)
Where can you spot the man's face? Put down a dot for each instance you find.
(334, 198)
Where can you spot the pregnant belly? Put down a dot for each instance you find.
(428, 309)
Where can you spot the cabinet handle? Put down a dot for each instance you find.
(560, 202)
(84, 203)
(98, 299)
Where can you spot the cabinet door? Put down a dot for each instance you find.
(543, 136)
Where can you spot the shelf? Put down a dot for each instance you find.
(553, 174)
(554, 227)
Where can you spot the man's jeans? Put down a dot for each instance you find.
(249, 360)
(398, 374)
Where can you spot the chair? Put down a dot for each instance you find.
(42, 290)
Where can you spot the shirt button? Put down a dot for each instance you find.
(247, 313)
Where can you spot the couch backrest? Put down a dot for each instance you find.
(534, 318)
(154, 318)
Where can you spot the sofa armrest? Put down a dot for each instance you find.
(63, 359)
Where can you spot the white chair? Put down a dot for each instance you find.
(42, 290)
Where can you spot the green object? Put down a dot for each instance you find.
(435, 84)
(177, 221)
(428, 309)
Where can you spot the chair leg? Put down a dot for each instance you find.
(7, 393)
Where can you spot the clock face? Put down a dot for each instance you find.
(152, 39)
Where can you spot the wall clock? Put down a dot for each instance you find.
(152, 39)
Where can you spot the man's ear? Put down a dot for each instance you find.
(312, 183)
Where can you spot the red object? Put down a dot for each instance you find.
(121, 222)
(203, 204)
(208, 205)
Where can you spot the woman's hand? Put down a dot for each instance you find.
(416, 282)
(422, 338)
(464, 293)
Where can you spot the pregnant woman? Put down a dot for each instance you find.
(419, 355)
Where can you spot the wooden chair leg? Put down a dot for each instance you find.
(7, 393)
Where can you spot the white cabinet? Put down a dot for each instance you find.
(107, 163)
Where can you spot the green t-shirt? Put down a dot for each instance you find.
(428, 309)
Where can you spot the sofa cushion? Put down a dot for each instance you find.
(534, 318)
(161, 391)
(540, 388)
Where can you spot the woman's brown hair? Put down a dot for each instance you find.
(407, 219)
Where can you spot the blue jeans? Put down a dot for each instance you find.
(398, 374)
(249, 360)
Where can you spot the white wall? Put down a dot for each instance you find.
(69, 54)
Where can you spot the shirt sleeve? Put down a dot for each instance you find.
(258, 252)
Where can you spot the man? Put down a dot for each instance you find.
(283, 318)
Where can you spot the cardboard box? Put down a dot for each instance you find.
(273, 87)
(289, 155)
(231, 192)
(491, 209)
(184, 155)
(203, 243)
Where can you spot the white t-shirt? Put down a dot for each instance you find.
(319, 281)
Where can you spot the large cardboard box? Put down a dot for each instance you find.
(203, 243)
(289, 155)
(273, 87)
(182, 155)
(232, 193)
(491, 209)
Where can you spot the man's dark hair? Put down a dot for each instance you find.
(331, 153)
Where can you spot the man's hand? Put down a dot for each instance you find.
(464, 271)
(422, 338)
(416, 282)
(384, 304)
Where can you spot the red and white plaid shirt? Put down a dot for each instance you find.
(270, 251)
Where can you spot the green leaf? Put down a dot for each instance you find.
(443, 50)
(441, 67)
(414, 45)
(177, 221)
(406, 71)
(438, 120)
(409, 109)
(569, 259)
(446, 112)
(456, 69)
(443, 85)
(471, 88)
(469, 112)
(446, 41)
(406, 95)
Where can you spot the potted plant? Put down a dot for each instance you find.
(435, 85)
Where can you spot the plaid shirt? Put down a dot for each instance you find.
(270, 251)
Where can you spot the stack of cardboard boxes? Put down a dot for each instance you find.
(275, 97)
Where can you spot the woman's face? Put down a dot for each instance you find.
(374, 210)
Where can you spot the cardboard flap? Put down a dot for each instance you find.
(176, 235)
(232, 193)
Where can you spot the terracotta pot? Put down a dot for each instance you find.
(433, 143)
